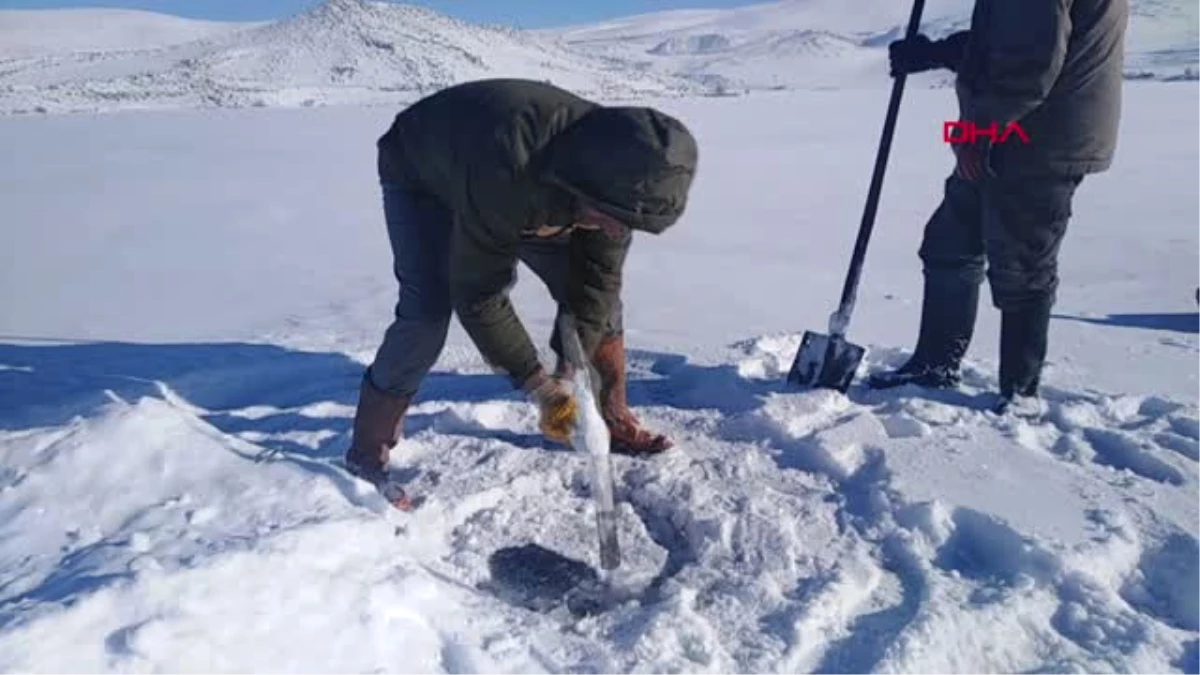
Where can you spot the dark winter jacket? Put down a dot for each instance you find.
(506, 156)
(1056, 68)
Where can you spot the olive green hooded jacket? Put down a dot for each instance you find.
(506, 156)
(1055, 67)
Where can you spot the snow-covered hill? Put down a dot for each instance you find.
(59, 31)
(361, 51)
(340, 51)
(807, 43)
(1164, 38)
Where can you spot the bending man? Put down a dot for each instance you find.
(481, 175)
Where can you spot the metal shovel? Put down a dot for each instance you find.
(829, 361)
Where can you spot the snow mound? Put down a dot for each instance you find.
(356, 43)
(342, 51)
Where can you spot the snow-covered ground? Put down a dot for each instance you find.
(188, 299)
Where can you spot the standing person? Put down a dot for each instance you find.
(1053, 67)
(481, 175)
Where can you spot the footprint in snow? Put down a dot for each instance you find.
(1188, 427)
(1189, 660)
(982, 548)
(1184, 446)
(1123, 451)
(1126, 433)
(1182, 437)
(123, 642)
(1088, 618)
(1166, 583)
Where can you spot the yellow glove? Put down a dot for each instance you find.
(558, 410)
(558, 420)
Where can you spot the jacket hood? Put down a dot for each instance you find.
(634, 164)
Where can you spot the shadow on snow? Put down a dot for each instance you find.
(1181, 322)
(262, 390)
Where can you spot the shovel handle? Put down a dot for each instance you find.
(841, 318)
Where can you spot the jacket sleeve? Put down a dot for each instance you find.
(950, 49)
(482, 271)
(597, 263)
(1025, 46)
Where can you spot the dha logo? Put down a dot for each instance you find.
(969, 132)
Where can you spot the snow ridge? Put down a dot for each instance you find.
(337, 52)
(822, 43)
(363, 51)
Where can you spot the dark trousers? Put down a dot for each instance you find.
(1011, 226)
(419, 230)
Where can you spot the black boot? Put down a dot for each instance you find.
(1024, 339)
(948, 310)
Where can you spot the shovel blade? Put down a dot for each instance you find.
(826, 362)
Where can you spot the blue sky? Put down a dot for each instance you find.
(522, 13)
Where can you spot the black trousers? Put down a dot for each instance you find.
(1008, 228)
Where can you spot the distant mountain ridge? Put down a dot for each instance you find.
(799, 43)
(364, 51)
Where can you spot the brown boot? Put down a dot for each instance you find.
(628, 435)
(377, 427)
